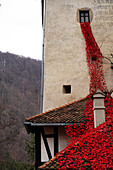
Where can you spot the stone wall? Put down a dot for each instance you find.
(65, 56)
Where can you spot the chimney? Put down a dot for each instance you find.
(99, 108)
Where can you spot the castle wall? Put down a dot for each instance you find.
(65, 56)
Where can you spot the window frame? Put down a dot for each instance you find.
(84, 12)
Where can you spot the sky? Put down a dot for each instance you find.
(21, 28)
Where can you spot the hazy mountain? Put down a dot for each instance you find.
(19, 98)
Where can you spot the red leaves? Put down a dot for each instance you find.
(94, 60)
(94, 150)
(90, 148)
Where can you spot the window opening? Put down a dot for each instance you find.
(66, 89)
(84, 16)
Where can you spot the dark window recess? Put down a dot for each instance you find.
(84, 16)
(66, 89)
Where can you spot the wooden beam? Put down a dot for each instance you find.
(49, 135)
(46, 143)
(37, 149)
(55, 140)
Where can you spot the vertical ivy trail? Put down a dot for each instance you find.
(94, 60)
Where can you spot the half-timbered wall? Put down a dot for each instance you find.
(61, 142)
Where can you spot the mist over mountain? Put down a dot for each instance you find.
(20, 83)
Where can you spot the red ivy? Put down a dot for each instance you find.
(90, 148)
(94, 60)
(94, 150)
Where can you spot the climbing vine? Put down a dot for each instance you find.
(94, 60)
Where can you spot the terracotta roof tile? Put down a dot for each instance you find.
(52, 164)
(69, 113)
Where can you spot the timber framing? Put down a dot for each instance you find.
(46, 143)
(38, 132)
(37, 148)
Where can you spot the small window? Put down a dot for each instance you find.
(84, 16)
(66, 89)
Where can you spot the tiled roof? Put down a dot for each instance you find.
(52, 164)
(69, 113)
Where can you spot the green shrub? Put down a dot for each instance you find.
(10, 164)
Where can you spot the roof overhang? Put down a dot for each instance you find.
(31, 127)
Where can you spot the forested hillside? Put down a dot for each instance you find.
(19, 98)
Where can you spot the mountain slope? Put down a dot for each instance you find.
(19, 98)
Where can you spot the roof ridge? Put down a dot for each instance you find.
(47, 163)
(56, 108)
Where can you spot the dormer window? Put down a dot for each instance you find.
(84, 16)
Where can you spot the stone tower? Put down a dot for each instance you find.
(66, 76)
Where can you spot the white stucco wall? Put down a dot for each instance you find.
(61, 138)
